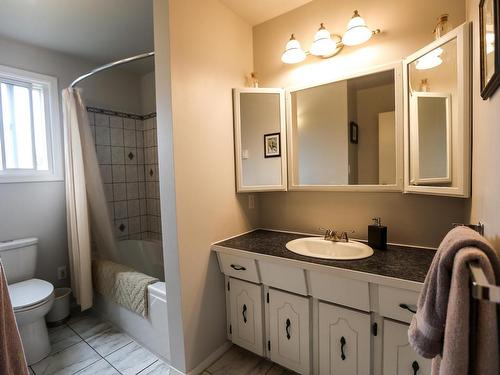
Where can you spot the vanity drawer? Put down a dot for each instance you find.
(239, 267)
(339, 290)
(292, 279)
(394, 303)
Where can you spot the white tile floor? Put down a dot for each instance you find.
(87, 345)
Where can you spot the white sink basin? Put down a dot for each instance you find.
(317, 247)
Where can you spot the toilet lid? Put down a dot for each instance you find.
(29, 292)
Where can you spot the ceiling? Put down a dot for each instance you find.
(95, 30)
(258, 11)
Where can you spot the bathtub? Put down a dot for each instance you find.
(143, 256)
(152, 332)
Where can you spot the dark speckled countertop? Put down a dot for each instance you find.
(403, 262)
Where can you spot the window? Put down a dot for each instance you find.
(30, 139)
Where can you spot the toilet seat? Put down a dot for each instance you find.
(29, 294)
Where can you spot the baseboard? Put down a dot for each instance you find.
(206, 362)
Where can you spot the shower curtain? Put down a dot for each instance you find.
(86, 207)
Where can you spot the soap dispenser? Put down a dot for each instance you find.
(377, 234)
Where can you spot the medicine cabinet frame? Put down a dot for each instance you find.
(415, 178)
(399, 125)
(240, 187)
(460, 132)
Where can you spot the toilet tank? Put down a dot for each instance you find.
(19, 259)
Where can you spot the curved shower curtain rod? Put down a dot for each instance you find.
(111, 65)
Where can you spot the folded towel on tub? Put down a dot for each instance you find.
(123, 285)
(440, 328)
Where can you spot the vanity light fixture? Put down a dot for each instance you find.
(293, 52)
(357, 32)
(490, 42)
(325, 44)
(430, 60)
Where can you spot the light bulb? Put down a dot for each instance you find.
(490, 42)
(357, 32)
(430, 60)
(293, 52)
(323, 45)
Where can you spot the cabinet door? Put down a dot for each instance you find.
(246, 315)
(344, 341)
(399, 357)
(289, 330)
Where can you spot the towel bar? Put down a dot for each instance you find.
(481, 288)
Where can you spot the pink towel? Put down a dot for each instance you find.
(12, 360)
(440, 328)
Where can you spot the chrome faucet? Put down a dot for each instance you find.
(334, 236)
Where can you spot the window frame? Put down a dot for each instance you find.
(53, 128)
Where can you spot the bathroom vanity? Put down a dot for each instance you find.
(319, 316)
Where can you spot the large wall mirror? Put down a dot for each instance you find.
(347, 135)
(437, 114)
(260, 139)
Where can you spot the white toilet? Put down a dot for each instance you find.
(31, 298)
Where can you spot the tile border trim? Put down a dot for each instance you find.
(121, 114)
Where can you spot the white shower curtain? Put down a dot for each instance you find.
(86, 207)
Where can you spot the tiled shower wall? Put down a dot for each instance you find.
(127, 154)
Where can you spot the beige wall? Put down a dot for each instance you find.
(371, 102)
(320, 134)
(485, 202)
(211, 51)
(407, 26)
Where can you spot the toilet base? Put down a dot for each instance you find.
(35, 340)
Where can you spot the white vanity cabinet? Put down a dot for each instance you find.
(398, 357)
(289, 330)
(246, 315)
(344, 341)
(317, 320)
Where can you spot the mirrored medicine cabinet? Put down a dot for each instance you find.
(403, 126)
(260, 139)
(347, 135)
(437, 116)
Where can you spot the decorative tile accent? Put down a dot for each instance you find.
(128, 158)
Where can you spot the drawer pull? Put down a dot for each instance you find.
(410, 308)
(342, 344)
(244, 313)
(287, 329)
(237, 267)
(415, 367)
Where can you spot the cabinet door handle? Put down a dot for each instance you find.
(342, 344)
(288, 324)
(237, 267)
(415, 367)
(410, 308)
(244, 313)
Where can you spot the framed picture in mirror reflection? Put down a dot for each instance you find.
(272, 145)
(489, 32)
(353, 132)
